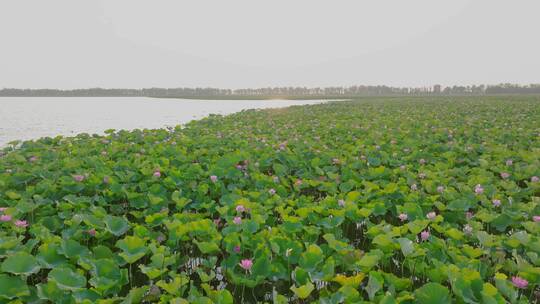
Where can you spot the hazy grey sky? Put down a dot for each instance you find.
(250, 43)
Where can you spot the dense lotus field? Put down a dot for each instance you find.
(387, 200)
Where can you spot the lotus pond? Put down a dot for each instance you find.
(382, 200)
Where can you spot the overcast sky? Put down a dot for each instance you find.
(250, 43)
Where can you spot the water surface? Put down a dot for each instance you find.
(24, 118)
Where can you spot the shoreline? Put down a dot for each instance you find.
(127, 114)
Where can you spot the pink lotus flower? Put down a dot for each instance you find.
(535, 179)
(335, 161)
(505, 175)
(78, 178)
(21, 224)
(237, 220)
(431, 215)
(519, 282)
(341, 203)
(92, 232)
(298, 182)
(33, 159)
(467, 229)
(237, 249)
(509, 162)
(5, 218)
(424, 235)
(213, 178)
(246, 264)
(440, 189)
(217, 221)
(422, 175)
(496, 202)
(3, 209)
(272, 191)
(469, 215)
(239, 167)
(478, 189)
(536, 218)
(422, 161)
(240, 208)
(157, 174)
(403, 217)
(414, 187)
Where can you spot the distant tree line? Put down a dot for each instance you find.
(352, 91)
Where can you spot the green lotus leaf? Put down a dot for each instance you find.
(454, 233)
(116, 225)
(397, 282)
(174, 286)
(301, 276)
(505, 287)
(346, 293)
(406, 245)
(368, 261)
(105, 275)
(335, 244)
(49, 257)
(9, 242)
(13, 195)
(49, 291)
(375, 283)
(502, 222)
(384, 242)
(67, 279)
(432, 293)
(21, 263)
(136, 294)
(490, 294)
(311, 258)
(205, 277)
(218, 296)
(262, 266)
(207, 247)
(12, 287)
(388, 299)
(460, 205)
(303, 291)
(353, 281)
(73, 250)
(417, 226)
(133, 248)
(86, 296)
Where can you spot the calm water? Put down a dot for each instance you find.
(23, 118)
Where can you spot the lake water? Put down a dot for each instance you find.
(23, 118)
